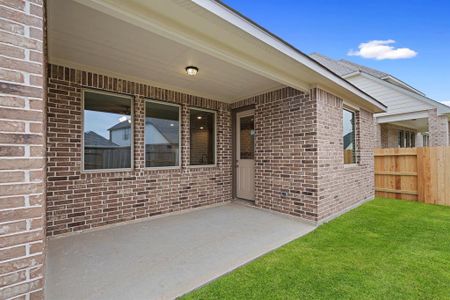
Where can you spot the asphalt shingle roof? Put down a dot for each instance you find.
(94, 139)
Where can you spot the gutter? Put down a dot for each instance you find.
(225, 6)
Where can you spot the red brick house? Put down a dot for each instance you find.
(259, 121)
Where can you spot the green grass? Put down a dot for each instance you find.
(385, 249)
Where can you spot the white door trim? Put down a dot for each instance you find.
(245, 187)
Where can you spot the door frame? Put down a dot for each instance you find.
(234, 113)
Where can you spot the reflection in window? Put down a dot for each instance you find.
(106, 119)
(162, 134)
(247, 138)
(349, 137)
(202, 137)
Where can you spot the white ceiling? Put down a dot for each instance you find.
(82, 37)
(418, 124)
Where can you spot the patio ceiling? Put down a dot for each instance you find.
(153, 41)
(82, 37)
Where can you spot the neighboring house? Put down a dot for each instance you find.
(161, 139)
(411, 120)
(198, 63)
(93, 139)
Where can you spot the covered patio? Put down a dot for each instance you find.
(165, 257)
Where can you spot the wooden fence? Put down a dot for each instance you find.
(421, 174)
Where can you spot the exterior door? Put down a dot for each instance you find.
(245, 155)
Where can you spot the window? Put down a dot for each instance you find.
(408, 139)
(126, 134)
(162, 134)
(349, 137)
(202, 137)
(401, 139)
(426, 140)
(106, 118)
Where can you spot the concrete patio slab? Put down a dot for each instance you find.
(165, 257)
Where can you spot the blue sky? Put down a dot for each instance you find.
(334, 27)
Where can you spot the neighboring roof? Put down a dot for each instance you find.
(345, 68)
(170, 133)
(163, 126)
(348, 139)
(94, 139)
(120, 125)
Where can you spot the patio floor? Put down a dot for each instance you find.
(165, 257)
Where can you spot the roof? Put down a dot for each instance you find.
(223, 33)
(276, 38)
(120, 125)
(94, 139)
(348, 139)
(344, 68)
(169, 132)
(347, 68)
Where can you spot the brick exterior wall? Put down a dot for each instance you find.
(285, 152)
(299, 154)
(341, 186)
(22, 149)
(77, 201)
(438, 129)
(299, 167)
(390, 135)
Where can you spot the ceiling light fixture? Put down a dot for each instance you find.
(191, 70)
(201, 127)
(199, 117)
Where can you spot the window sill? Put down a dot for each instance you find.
(201, 166)
(162, 168)
(351, 166)
(100, 171)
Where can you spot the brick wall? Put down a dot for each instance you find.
(77, 201)
(438, 129)
(285, 152)
(390, 135)
(22, 150)
(341, 186)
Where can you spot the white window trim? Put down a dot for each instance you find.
(83, 170)
(179, 136)
(215, 138)
(356, 162)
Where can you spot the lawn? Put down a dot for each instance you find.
(385, 249)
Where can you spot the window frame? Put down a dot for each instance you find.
(179, 135)
(401, 138)
(355, 131)
(126, 134)
(413, 139)
(131, 98)
(215, 137)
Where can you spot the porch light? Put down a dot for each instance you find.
(191, 70)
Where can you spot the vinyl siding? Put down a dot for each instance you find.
(396, 101)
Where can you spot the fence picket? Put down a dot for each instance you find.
(421, 174)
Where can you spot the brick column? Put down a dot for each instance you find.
(438, 129)
(378, 134)
(22, 149)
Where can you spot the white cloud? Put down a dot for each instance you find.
(382, 49)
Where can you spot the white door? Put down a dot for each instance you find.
(245, 155)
